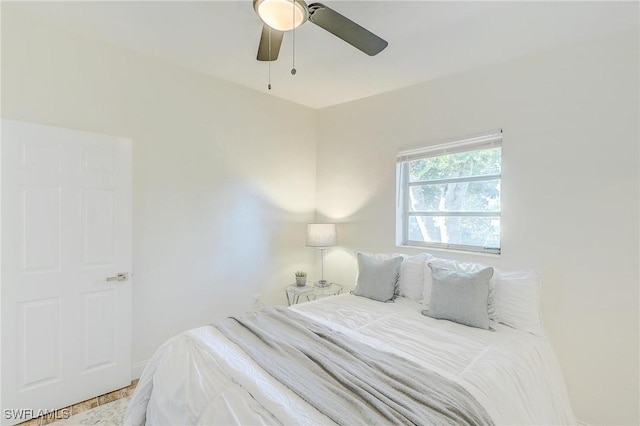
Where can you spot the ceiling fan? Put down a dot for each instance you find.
(280, 16)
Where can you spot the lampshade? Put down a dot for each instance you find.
(281, 15)
(321, 235)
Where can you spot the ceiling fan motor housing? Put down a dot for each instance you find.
(281, 15)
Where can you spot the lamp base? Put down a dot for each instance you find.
(322, 283)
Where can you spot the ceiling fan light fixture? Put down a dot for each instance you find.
(281, 15)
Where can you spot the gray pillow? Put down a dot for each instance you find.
(377, 278)
(461, 297)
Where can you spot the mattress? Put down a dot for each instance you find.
(200, 377)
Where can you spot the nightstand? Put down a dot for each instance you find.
(331, 289)
(311, 292)
(294, 292)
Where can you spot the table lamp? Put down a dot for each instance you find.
(321, 236)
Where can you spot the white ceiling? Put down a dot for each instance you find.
(427, 39)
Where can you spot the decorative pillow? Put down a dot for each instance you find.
(379, 256)
(454, 265)
(517, 300)
(377, 279)
(375, 256)
(514, 296)
(461, 297)
(411, 280)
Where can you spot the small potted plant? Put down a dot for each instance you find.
(301, 278)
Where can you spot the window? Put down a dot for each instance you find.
(449, 194)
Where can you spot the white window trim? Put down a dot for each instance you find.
(473, 142)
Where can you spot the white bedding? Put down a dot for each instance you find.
(200, 377)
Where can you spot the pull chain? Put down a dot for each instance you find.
(269, 84)
(293, 21)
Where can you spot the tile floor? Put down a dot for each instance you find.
(80, 407)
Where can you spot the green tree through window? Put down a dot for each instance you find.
(452, 200)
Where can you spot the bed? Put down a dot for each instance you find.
(208, 375)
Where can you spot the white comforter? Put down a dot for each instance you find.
(200, 377)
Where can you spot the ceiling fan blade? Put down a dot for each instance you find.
(276, 42)
(346, 29)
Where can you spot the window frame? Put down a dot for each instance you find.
(476, 142)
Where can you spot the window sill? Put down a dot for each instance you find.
(444, 250)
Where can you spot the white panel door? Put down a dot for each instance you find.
(66, 229)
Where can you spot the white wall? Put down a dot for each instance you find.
(570, 194)
(217, 216)
(570, 187)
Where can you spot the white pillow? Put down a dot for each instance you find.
(514, 296)
(412, 271)
(517, 300)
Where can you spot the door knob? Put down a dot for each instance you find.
(123, 276)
